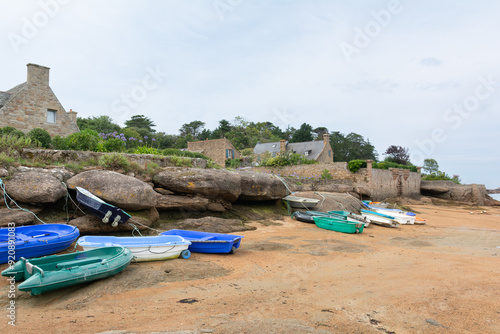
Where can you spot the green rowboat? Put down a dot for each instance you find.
(338, 225)
(59, 271)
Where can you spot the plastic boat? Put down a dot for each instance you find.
(106, 212)
(301, 202)
(352, 217)
(35, 240)
(206, 242)
(380, 218)
(59, 271)
(143, 248)
(338, 225)
(303, 217)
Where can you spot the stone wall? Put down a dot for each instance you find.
(27, 108)
(215, 149)
(61, 156)
(338, 170)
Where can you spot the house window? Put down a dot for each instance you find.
(51, 116)
(329, 153)
(306, 153)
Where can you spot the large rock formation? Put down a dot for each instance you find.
(449, 190)
(123, 191)
(35, 186)
(212, 224)
(210, 183)
(19, 217)
(260, 187)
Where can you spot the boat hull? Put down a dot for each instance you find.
(379, 219)
(59, 271)
(104, 211)
(338, 225)
(303, 217)
(301, 202)
(35, 240)
(206, 242)
(143, 249)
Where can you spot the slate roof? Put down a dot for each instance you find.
(313, 148)
(6, 96)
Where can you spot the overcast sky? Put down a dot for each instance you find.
(419, 74)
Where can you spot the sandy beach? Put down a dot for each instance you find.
(292, 277)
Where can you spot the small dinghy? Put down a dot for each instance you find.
(206, 242)
(338, 225)
(301, 202)
(59, 271)
(352, 217)
(106, 212)
(303, 217)
(143, 248)
(379, 218)
(35, 240)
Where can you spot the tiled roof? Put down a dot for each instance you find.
(267, 147)
(313, 148)
(6, 96)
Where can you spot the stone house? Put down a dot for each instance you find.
(33, 104)
(319, 150)
(219, 150)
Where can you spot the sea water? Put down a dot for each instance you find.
(495, 196)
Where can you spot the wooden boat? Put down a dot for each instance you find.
(303, 217)
(143, 248)
(106, 212)
(35, 240)
(206, 242)
(301, 202)
(59, 271)
(338, 225)
(379, 218)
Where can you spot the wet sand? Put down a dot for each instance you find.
(442, 277)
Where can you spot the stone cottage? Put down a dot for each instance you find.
(319, 150)
(219, 150)
(33, 104)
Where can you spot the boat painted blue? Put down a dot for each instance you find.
(375, 208)
(105, 211)
(206, 242)
(35, 240)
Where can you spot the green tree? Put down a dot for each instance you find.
(141, 122)
(351, 147)
(304, 133)
(430, 166)
(320, 131)
(193, 128)
(101, 124)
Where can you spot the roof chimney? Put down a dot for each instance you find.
(326, 138)
(38, 75)
(282, 145)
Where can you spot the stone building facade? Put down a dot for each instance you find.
(219, 150)
(33, 104)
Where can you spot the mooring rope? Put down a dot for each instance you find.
(5, 196)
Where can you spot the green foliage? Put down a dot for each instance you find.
(101, 124)
(287, 159)
(11, 143)
(430, 166)
(441, 176)
(114, 161)
(247, 152)
(176, 152)
(5, 160)
(59, 143)
(304, 133)
(86, 140)
(42, 136)
(388, 164)
(233, 163)
(181, 161)
(152, 168)
(111, 145)
(351, 147)
(141, 122)
(397, 154)
(147, 150)
(9, 130)
(355, 165)
(326, 175)
(194, 129)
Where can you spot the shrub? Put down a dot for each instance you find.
(326, 175)
(41, 135)
(86, 140)
(11, 144)
(111, 145)
(59, 143)
(287, 159)
(177, 152)
(355, 165)
(114, 161)
(247, 152)
(441, 176)
(9, 130)
(233, 163)
(147, 150)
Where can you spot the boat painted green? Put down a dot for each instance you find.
(59, 271)
(338, 225)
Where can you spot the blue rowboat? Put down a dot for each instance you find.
(206, 242)
(105, 211)
(35, 240)
(59, 271)
(151, 248)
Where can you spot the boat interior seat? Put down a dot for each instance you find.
(80, 262)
